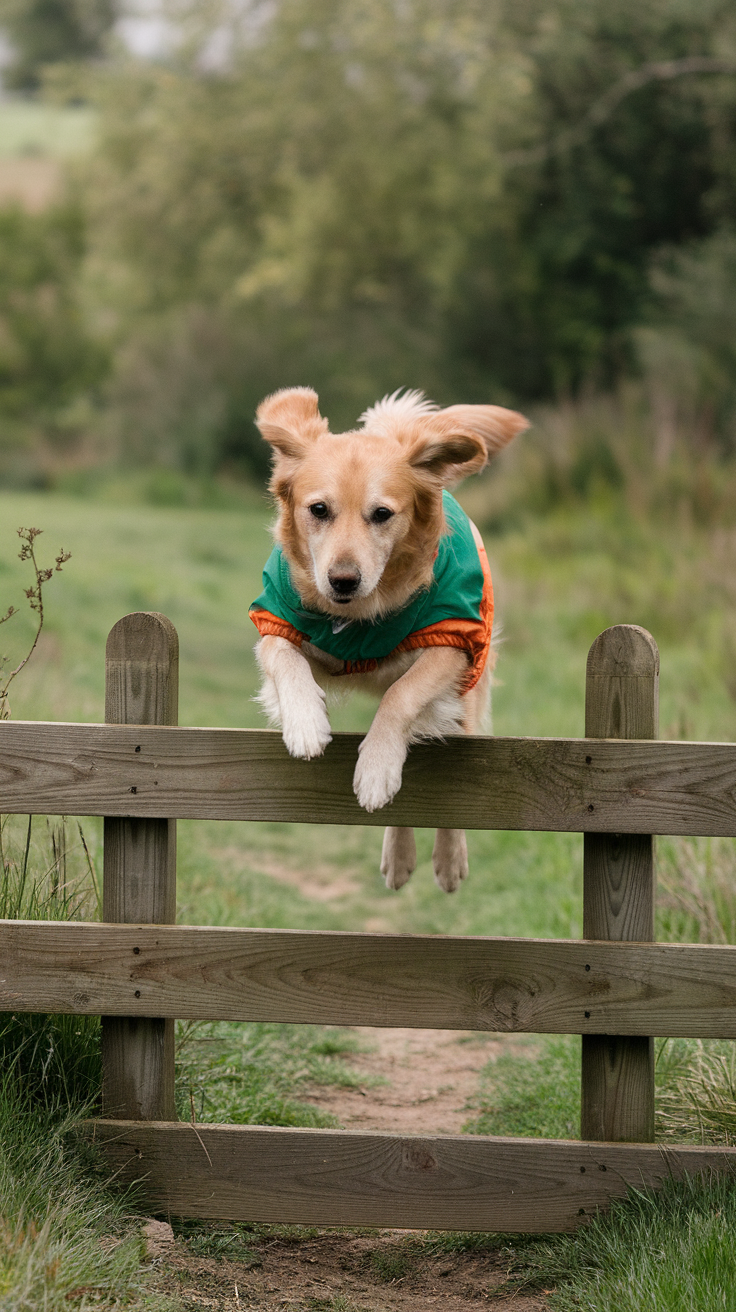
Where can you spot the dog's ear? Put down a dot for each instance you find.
(442, 447)
(495, 425)
(290, 421)
(462, 439)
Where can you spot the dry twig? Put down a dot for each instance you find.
(35, 600)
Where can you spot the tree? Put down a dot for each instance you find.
(464, 195)
(46, 32)
(48, 356)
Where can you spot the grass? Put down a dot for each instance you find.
(532, 1092)
(29, 127)
(236, 1242)
(249, 1074)
(65, 1240)
(697, 890)
(48, 873)
(673, 1252)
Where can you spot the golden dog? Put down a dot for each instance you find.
(379, 580)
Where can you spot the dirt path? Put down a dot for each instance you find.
(329, 1272)
(427, 1079)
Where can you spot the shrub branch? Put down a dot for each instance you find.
(35, 600)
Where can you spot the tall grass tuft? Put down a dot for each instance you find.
(697, 1091)
(603, 451)
(696, 898)
(697, 904)
(669, 1252)
(65, 1240)
(48, 873)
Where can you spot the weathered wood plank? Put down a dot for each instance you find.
(572, 785)
(621, 701)
(141, 687)
(424, 981)
(335, 1177)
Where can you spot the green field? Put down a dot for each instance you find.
(558, 584)
(555, 591)
(29, 127)
(202, 568)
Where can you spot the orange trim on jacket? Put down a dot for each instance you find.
(273, 626)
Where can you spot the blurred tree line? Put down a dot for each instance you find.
(42, 33)
(516, 200)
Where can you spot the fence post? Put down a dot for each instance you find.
(141, 687)
(621, 701)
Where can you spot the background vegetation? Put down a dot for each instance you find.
(525, 201)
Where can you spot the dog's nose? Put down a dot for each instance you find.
(345, 583)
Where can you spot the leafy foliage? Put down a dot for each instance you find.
(49, 358)
(44, 32)
(513, 199)
(461, 195)
(688, 348)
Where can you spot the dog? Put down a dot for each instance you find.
(379, 580)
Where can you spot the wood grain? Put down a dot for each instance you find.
(425, 981)
(571, 785)
(622, 684)
(141, 687)
(621, 701)
(335, 1177)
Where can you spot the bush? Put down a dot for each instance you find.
(49, 360)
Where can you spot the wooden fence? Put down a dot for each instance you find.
(616, 987)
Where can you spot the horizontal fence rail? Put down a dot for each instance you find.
(564, 784)
(339, 1177)
(541, 986)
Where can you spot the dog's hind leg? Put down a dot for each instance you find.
(450, 858)
(399, 856)
(450, 855)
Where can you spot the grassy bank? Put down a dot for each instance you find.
(65, 1238)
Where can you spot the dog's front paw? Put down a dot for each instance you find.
(377, 777)
(306, 732)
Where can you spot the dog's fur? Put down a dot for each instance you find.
(350, 565)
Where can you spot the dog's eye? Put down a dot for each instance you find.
(380, 515)
(319, 510)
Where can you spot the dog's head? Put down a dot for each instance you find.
(360, 513)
